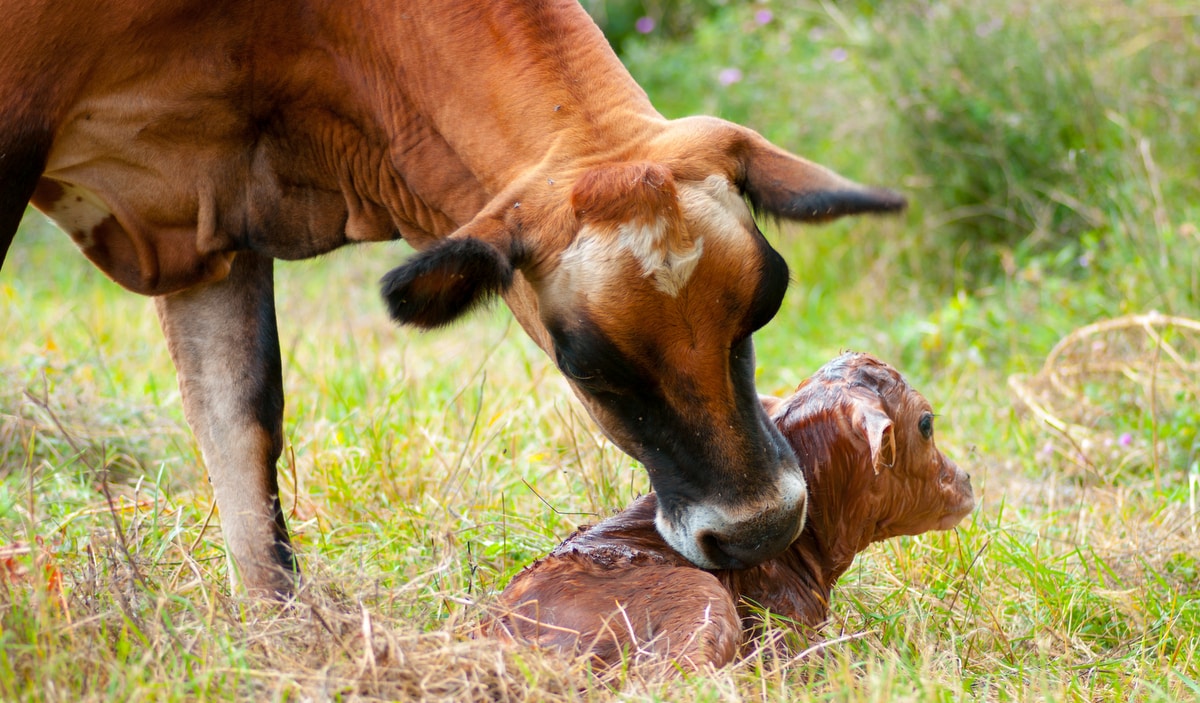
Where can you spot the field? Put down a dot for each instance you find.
(1051, 161)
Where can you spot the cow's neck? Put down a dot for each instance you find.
(537, 75)
(486, 92)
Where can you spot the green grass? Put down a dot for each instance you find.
(410, 474)
(421, 471)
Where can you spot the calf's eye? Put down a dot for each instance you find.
(926, 425)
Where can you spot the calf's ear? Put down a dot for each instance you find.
(880, 434)
(440, 284)
(770, 404)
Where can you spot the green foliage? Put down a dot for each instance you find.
(1017, 130)
(999, 109)
(1029, 122)
(788, 74)
(674, 18)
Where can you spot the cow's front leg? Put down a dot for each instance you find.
(225, 345)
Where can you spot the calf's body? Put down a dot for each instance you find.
(865, 441)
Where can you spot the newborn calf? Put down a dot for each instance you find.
(865, 441)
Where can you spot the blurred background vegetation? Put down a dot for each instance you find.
(1064, 133)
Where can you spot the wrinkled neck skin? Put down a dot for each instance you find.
(539, 98)
(546, 63)
(587, 99)
(542, 88)
(521, 66)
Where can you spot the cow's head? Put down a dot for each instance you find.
(646, 277)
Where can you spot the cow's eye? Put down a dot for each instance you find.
(925, 424)
(571, 368)
(587, 376)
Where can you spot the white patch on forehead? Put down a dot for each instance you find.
(599, 255)
(670, 267)
(78, 212)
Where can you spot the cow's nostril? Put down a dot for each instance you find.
(754, 542)
(714, 548)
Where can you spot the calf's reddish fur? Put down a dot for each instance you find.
(865, 441)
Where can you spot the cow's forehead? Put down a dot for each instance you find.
(609, 259)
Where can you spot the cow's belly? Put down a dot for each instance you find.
(147, 259)
(156, 235)
(160, 191)
(164, 216)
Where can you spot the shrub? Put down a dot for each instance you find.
(1029, 124)
(1016, 128)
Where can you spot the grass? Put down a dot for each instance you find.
(422, 471)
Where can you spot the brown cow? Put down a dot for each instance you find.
(186, 144)
(865, 440)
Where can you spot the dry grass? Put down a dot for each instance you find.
(1149, 363)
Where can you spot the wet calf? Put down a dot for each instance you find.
(865, 441)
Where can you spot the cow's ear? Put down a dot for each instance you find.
(442, 283)
(787, 186)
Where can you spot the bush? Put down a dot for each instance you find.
(1028, 123)
(1017, 129)
(999, 113)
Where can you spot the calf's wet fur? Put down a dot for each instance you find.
(616, 589)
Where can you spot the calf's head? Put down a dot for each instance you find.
(901, 484)
(643, 275)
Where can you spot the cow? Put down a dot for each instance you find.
(617, 592)
(184, 145)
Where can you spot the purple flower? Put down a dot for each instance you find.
(645, 25)
(838, 55)
(729, 76)
(989, 27)
(1125, 439)
(764, 16)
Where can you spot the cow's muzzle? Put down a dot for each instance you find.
(713, 537)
